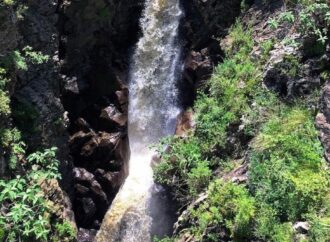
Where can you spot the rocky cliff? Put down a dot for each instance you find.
(77, 100)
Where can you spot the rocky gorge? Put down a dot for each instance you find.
(78, 99)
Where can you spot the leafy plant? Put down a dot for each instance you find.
(228, 206)
(24, 213)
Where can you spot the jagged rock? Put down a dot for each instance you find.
(87, 179)
(102, 143)
(81, 190)
(77, 141)
(111, 180)
(112, 115)
(287, 77)
(89, 207)
(122, 98)
(208, 18)
(91, 200)
(82, 175)
(83, 125)
(198, 66)
(185, 123)
(86, 235)
(323, 120)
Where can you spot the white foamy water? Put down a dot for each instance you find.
(152, 115)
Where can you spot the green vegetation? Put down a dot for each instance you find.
(313, 20)
(228, 207)
(26, 210)
(288, 178)
(7, 2)
(287, 173)
(26, 213)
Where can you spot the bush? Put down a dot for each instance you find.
(228, 207)
(183, 168)
(25, 213)
(287, 174)
(4, 104)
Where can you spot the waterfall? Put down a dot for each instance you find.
(152, 115)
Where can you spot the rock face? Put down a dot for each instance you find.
(95, 40)
(8, 42)
(203, 20)
(323, 120)
(36, 91)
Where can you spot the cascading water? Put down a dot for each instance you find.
(152, 115)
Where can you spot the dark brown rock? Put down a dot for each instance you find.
(77, 140)
(113, 115)
(185, 123)
(100, 144)
(89, 207)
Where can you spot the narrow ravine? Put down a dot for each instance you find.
(153, 110)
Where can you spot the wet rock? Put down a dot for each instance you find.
(83, 125)
(81, 190)
(198, 68)
(113, 116)
(111, 180)
(101, 144)
(83, 176)
(86, 235)
(77, 141)
(89, 207)
(122, 97)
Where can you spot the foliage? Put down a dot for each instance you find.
(25, 210)
(183, 168)
(25, 214)
(7, 2)
(64, 232)
(4, 104)
(288, 179)
(287, 175)
(313, 19)
(166, 239)
(23, 113)
(266, 46)
(228, 206)
(36, 57)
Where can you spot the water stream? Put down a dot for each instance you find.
(153, 111)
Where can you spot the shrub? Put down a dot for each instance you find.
(287, 174)
(229, 207)
(64, 232)
(25, 213)
(182, 167)
(4, 104)
(199, 177)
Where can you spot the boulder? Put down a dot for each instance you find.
(77, 141)
(185, 123)
(89, 207)
(81, 175)
(113, 116)
(101, 145)
(122, 98)
(198, 66)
